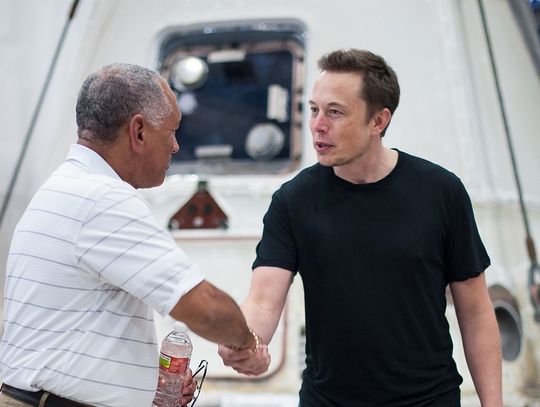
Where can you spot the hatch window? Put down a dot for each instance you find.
(239, 87)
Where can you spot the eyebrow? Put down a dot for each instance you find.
(331, 104)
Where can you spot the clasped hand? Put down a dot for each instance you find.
(189, 384)
(246, 361)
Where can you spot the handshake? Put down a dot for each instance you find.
(249, 361)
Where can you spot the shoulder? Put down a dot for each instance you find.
(428, 172)
(300, 189)
(100, 192)
(303, 181)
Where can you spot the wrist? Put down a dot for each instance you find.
(256, 341)
(253, 342)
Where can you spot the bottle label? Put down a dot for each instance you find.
(171, 364)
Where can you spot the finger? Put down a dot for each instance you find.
(227, 353)
(259, 363)
(262, 357)
(190, 388)
(189, 374)
(187, 394)
(235, 357)
(184, 401)
(256, 364)
(188, 378)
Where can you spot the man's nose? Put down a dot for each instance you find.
(319, 124)
(176, 146)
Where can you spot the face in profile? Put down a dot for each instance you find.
(160, 145)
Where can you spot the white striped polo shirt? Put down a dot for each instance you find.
(86, 267)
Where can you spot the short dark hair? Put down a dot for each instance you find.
(109, 98)
(380, 83)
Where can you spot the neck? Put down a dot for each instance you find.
(371, 167)
(114, 154)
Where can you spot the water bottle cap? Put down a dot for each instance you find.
(180, 326)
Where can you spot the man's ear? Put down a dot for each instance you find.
(136, 132)
(381, 120)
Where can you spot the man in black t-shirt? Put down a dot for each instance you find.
(376, 235)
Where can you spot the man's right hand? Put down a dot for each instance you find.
(245, 361)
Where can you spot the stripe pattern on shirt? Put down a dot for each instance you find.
(87, 267)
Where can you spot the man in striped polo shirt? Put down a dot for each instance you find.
(88, 263)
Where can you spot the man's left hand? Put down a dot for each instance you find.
(188, 388)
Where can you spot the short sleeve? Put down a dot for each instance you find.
(121, 243)
(277, 247)
(466, 256)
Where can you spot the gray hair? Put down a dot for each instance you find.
(111, 96)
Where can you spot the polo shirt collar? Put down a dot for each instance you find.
(91, 160)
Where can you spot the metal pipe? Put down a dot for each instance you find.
(529, 241)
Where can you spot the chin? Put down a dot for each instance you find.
(153, 183)
(160, 181)
(325, 162)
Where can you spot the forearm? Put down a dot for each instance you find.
(214, 315)
(261, 320)
(483, 353)
(224, 323)
(266, 299)
(480, 335)
(262, 309)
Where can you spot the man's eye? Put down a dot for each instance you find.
(334, 112)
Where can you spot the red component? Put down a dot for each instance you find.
(201, 211)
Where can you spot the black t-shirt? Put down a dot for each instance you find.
(375, 260)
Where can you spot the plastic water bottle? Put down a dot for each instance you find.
(174, 359)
